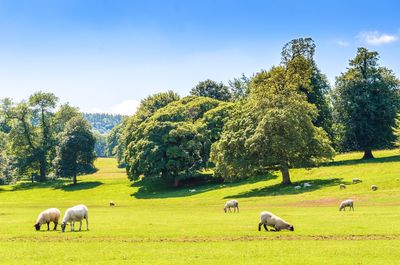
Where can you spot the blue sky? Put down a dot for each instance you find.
(108, 55)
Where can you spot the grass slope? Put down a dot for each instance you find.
(179, 226)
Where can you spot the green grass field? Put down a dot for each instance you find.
(180, 227)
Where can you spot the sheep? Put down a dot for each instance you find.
(374, 187)
(356, 180)
(346, 203)
(76, 213)
(306, 185)
(269, 219)
(112, 203)
(342, 186)
(47, 216)
(231, 203)
(297, 187)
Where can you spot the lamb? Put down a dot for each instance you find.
(356, 180)
(346, 203)
(74, 214)
(342, 186)
(112, 203)
(297, 187)
(307, 185)
(230, 204)
(269, 219)
(374, 187)
(47, 216)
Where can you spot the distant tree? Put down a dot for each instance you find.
(239, 87)
(274, 129)
(63, 115)
(100, 145)
(103, 123)
(115, 143)
(211, 89)
(75, 153)
(366, 100)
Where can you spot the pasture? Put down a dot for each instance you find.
(178, 226)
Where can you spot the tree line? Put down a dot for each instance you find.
(285, 117)
(38, 141)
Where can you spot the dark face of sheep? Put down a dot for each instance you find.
(291, 228)
(37, 226)
(63, 225)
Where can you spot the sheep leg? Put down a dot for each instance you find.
(80, 225)
(265, 227)
(55, 225)
(48, 226)
(259, 226)
(87, 223)
(72, 226)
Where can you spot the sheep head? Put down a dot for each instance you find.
(291, 228)
(63, 225)
(37, 226)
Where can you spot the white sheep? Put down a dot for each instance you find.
(342, 186)
(75, 214)
(269, 219)
(112, 203)
(47, 216)
(297, 187)
(374, 187)
(346, 203)
(307, 185)
(231, 204)
(356, 180)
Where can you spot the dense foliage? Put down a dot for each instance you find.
(174, 143)
(29, 136)
(75, 154)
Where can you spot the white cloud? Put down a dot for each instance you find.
(126, 107)
(376, 38)
(342, 43)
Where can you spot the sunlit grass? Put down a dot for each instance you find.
(182, 226)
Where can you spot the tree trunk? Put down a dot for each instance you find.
(285, 175)
(43, 170)
(176, 182)
(74, 179)
(368, 154)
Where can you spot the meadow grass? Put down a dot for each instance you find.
(177, 226)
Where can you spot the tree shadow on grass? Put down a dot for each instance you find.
(79, 186)
(279, 189)
(159, 189)
(363, 161)
(57, 184)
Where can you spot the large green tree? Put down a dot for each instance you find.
(75, 154)
(396, 131)
(366, 100)
(274, 129)
(318, 89)
(211, 89)
(173, 143)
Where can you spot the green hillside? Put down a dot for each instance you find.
(150, 226)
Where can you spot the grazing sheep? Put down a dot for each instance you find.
(269, 219)
(342, 186)
(346, 203)
(297, 187)
(47, 216)
(230, 204)
(307, 185)
(356, 180)
(374, 187)
(112, 203)
(74, 214)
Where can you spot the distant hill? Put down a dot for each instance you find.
(103, 122)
